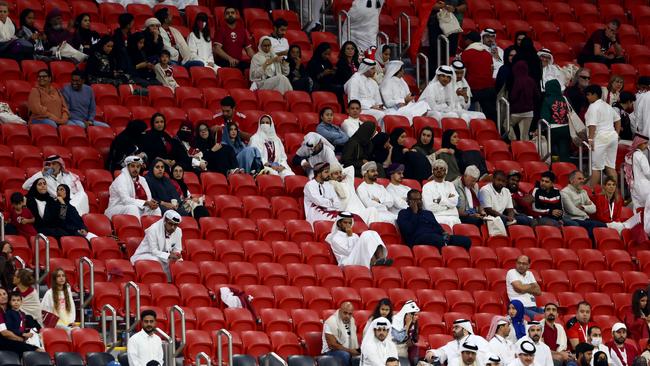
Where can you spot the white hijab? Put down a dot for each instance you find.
(267, 133)
(409, 307)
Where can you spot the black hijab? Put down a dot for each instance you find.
(446, 142)
(180, 182)
(67, 193)
(504, 76)
(380, 153)
(427, 149)
(128, 142)
(201, 143)
(34, 194)
(161, 188)
(528, 53)
(397, 155)
(318, 63)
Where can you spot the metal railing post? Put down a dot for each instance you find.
(172, 330)
(400, 47)
(113, 344)
(19, 260)
(382, 39)
(127, 306)
(548, 137)
(500, 102)
(2, 226)
(621, 181)
(203, 356)
(580, 160)
(419, 56)
(340, 25)
(168, 348)
(442, 60)
(226, 333)
(83, 302)
(267, 359)
(37, 258)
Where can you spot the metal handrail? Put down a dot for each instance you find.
(441, 60)
(403, 15)
(340, 25)
(168, 349)
(382, 39)
(621, 181)
(419, 56)
(548, 137)
(82, 294)
(113, 344)
(500, 102)
(127, 307)
(580, 160)
(19, 260)
(203, 356)
(172, 321)
(2, 226)
(37, 258)
(226, 333)
(267, 359)
(309, 7)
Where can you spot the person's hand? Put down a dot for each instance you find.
(277, 168)
(511, 218)
(451, 195)
(408, 98)
(378, 107)
(353, 352)
(429, 356)
(170, 162)
(581, 207)
(216, 147)
(83, 232)
(450, 8)
(203, 165)
(174, 256)
(61, 200)
(233, 61)
(557, 213)
(376, 199)
(591, 144)
(305, 164)
(35, 36)
(27, 335)
(528, 198)
(150, 66)
(151, 204)
(408, 319)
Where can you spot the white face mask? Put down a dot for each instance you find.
(266, 129)
(596, 341)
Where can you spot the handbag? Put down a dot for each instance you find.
(448, 22)
(49, 319)
(577, 128)
(495, 226)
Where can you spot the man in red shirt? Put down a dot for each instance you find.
(478, 63)
(578, 327)
(228, 114)
(232, 38)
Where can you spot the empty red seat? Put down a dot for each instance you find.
(203, 77)
(443, 278)
(582, 281)
(213, 228)
(565, 259)
(56, 340)
(243, 273)
(549, 237)
(555, 280)
(229, 250)
(288, 298)
(522, 236)
(455, 257)
(322, 99)
(601, 303)
(86, 340)
(576, 237)
(232, 78)
(197, 341)
(317, 298)
(185, 272)
(427, 256)
(213, 274)
(607, 238)
(610, 281)
(164, 294)
(618, 260)
(272, 274)
(194, 294)
(239, 319)
(150, 272)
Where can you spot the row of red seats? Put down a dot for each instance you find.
(81, 340)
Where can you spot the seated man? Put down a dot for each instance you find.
(351, 249)
(419, 226)
(396, 188)
(351, 124)
(440, 94)
(81, 102)
(231, 39)
(468, 351)
(55, 174)
(554, 335)
(365, 89)
(521, 201)
(321, 201)
(469, 207)
(340, 335)
(525, 352)
(462, 332)
(375, 195)
(579, 325)
(497, 202)
(163, 242)
(603, 46)
(463, 93)
(129, 192)
(534, 334)
(547, 201)
(621, 352)
(377, 346)
(521, 285)
(577, 205)
(314, 149)
(279, 43)
(440, 197)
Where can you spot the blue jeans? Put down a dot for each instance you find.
(44, 122)
(80, 123)
(189, 64)
(532, 311)
(521, 219)
(344, 356)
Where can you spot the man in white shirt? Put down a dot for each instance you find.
(640, 119)
(396, 188)
(129, 192)
(163, 242)
(554, 335)
(351, 124)
(314, 149)
(145, 347)
(595, 338)
(462, 332)
(440, 94)
(351, 249)
(340, 334)
(603, 125)
(377, 346)
(173, 40)
(440, 196)
(521, 285)
(496, 201)
(397, 95)
(467, 355)
(279, 44)
(365, 89)
(321, 201)
(621, 353)
(55, 174)
(534, 334)
(489, 38)
(463, 93)
(525, 354)
(373, 194)
(499, 343)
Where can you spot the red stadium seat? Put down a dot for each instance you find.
(285, 122)
(569, 300)
(443, 278)
(601, 304)
(533, 10)
(27, 156)
(197, 341)
(329, 275)
(549, 237)
(150, 272)
(298, 101)
(15, 134)
(522, 236)
(10, 70)
(232, 78)
(243, 273)
(56, 340)
(401, 255)
(213, 228)
(609, 281)
(105, 94)
(270, 100)
(524, 151)
(455, 257)
(73, 136)
(471, 279)
(255, 343)
(122, 268)
(393, 122)
(582, 281)
(44, 135)
(400, 296)
(555, 280)
(565, 259)
(203, 77)
(358, 277)
(488, 302)
(228, 206)
(573, 32)
(188, 97)
(427, 256)
(229, 251)
(607, 238)
(86, 340)
(318, 298)
(164, 294)
(185, 272)
(539, 258)
(618, 260)
(75, 247)
(415, 278)
(592, 260)
(86, 157)
(576, 237)
(323, 99)
(117, 116)
(213, 97)
(105, 248)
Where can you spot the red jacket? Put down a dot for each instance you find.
(637, 327)
(479, 68)
(602, 209)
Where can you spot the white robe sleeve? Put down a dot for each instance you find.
(119, 189)
(391, 92)
(399, 201)
(386, 198)
(151, 239)
(445, 199)
(193, 46)
(313, 195)
(46, 302)
(366, 196)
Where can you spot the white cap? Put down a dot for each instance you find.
(618, 326)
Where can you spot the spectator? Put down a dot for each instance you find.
(184, 151)
(637, 171)
(375, 195)
(612, 92)
(577, 205)
(416, 165)
(37, 201)
(322, 71)
(419, 226)
(555, 110)
(596, 339)
(396, 189)
(351, 124)
(405, 330)
(440, 196)
(329, 130)
(142, 65)
(20, 323)
(145, 346)
(528, 53)
(24, 282)
(194, 205)
(376, 346)
(578, 326)
(248, 157)
(478, 61)
(313, 150)
(621, 353)
(521, 285)
(603, 46)
(550, 71)
(220, 158)
(162, 189)
(45, 103)
(424, 144)
(499, 343)
(496, 201)
(200, 43)
(381, 56)
(126, 143)
(463, 93)
(340, 335)
(469, 207)
(58, 300)
(21, 217)
(543, 355)
(645, 354)
(363, 24)
(397, 95)
(165, 72)
(62, 216)
(391, 361)
(358, 150)
(525, 352)
(348, 62)
(547, 202)
(462, 332)
(383, 309)
(10, 45)
(521, 201)
(343, 182)
(313, 16)
(575, 93)
(83, 37)
(362, 87)
(103, 66)
(173, 40)
(298, 75)
(624, 107)
(279, 44)
(321, 201)
(494, 360)
(609, 205)
(120, 38)
(489, 39)
(8, 340)
(641, 120)
(163, 242)
(457, 8)
(30, 33)
(232, 39)
(81, 102)
(271, 149)
(351, 249)
(467, 357)
(54, 172)
(524, 96)
(229, 114)
(516, 312)
(56, 32)
(584, 354)
(153, 42)
(440, 94)
(636, 319)
(7, 268)
(462, 158)
(157, 143)
(129, 192)
(269, 71)
(503, 81)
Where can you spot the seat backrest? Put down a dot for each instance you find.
(34, 358)
(8, 358)
(123, 359)
(99, 358)
(243, 360)
(68, 359)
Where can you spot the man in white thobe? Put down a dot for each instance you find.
(55, 174)
(499, 343)
(162, 242)
(351, 249)
(377, 344)
(145, 346)
(343, 182)
(365, 89)
(363, 20)
(373, 194)
(396, 189)
(312, 18)
(543, 356)
(489, 38)
(351, 124)
(321, 201)
(525, 354)
(440, 94)
(550, 70)
(468, 351)
(440, 196)
(640, 118)
(463, 93)
(129, 192)
(397, 95)
(462, 333)
(314, 149)
(494, 360)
